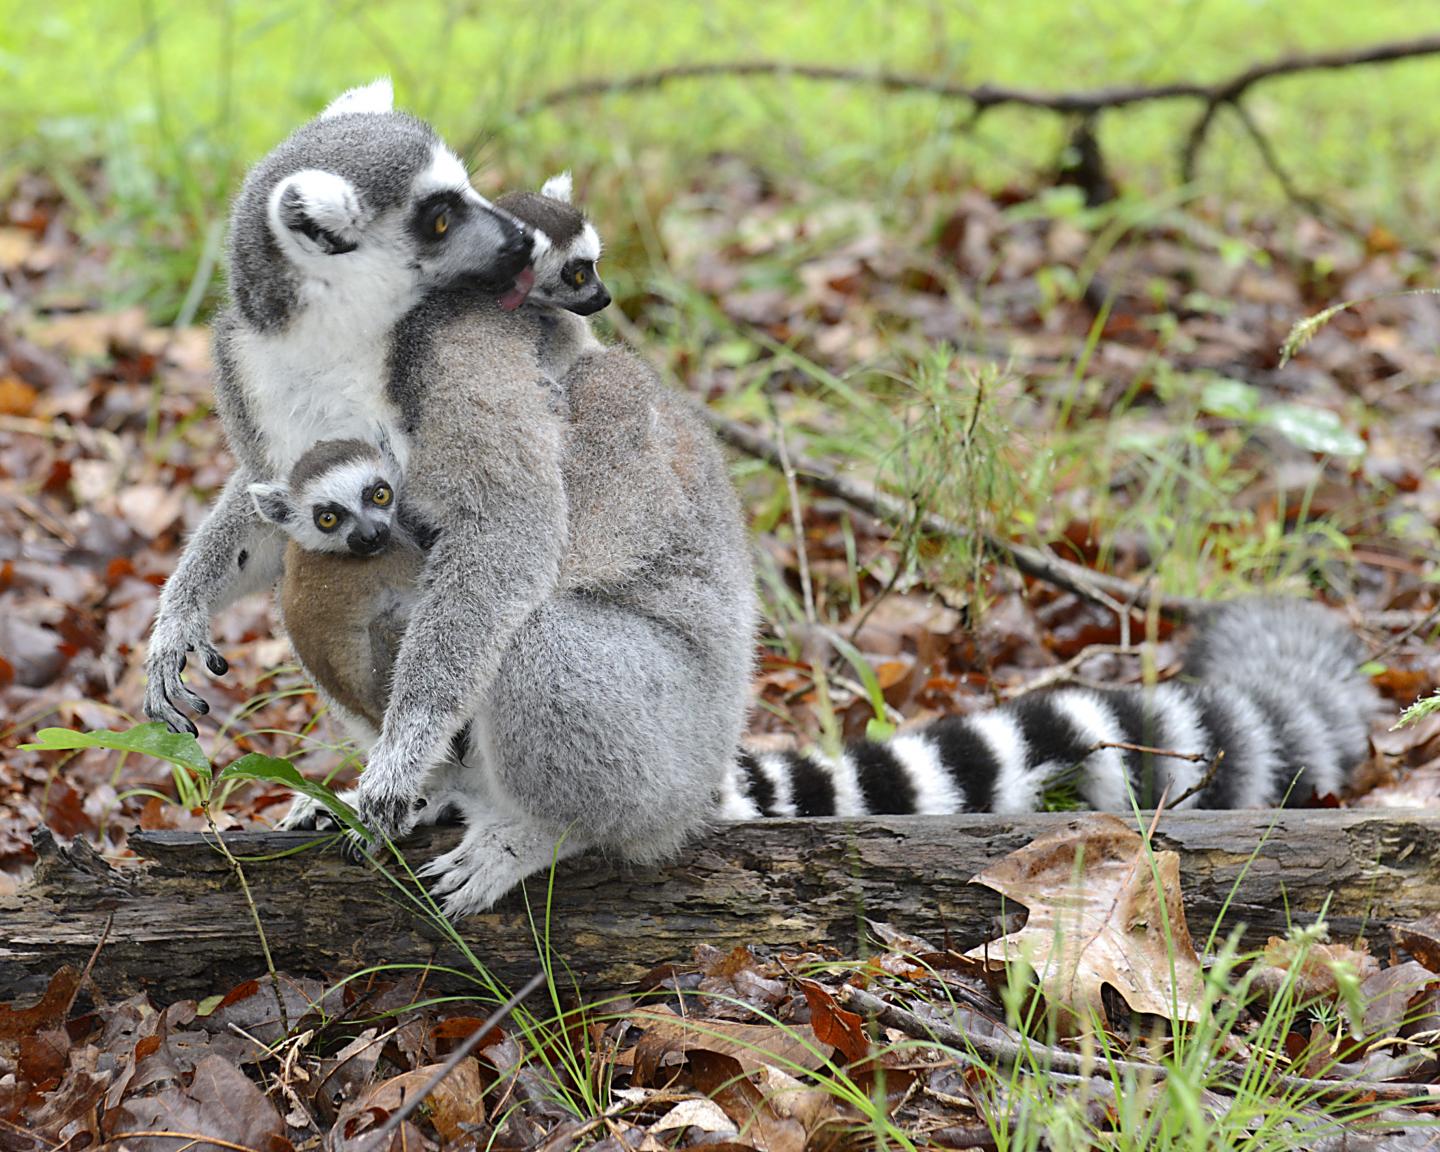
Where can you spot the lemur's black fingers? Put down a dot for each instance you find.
(188, 698)
(356, 848)
(159, 705)
(217, 664)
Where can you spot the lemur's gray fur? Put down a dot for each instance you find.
(585, 616)
(327, 252)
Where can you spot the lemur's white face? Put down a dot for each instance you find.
(565, 274)
(443, 232)
(566, 277)
(348, 509)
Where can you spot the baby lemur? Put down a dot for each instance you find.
(350, 571)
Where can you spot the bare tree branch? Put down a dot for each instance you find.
(985, 96)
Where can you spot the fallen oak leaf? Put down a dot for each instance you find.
(1097, 918)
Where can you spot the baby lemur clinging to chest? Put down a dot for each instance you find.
(350, 570)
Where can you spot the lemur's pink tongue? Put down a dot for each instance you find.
(519, 290)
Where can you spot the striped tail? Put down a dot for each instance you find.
(1270, 708)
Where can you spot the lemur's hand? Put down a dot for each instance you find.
(176, 636)
(382, 800)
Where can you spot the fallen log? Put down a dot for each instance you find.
(177, 925)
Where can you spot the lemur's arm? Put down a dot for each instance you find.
(232, 553)
(493, 565)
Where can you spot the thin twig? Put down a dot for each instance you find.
(1204, 782)
(1065, 673)
(1394, 643)
(403, 1113)
(193, 1137)
(1011, 1053)
(1114, 593)
(89, 965)
(1145, 749)
(797, 522)
(1230, 91)
(1272, 161)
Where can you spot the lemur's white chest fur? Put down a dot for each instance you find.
(324, 376)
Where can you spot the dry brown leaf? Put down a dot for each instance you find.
(1391, 995)
(17, 398)
(1096, 918)
(1421, 938)
(1315, 978)
(754, 1046)
(221, 1102)
(151, 508)
(90, 335)
(833, 1025)
(699, 1113)
(18, 1023)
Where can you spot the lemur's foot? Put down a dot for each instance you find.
(165, 692)
(494, 856)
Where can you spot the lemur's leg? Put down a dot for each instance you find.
(595, 734)
(232, 553)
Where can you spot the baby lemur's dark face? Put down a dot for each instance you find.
(341, 496)
(567, 249)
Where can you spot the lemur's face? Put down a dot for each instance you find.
(566, 276)
(567, 250)
(380, 214)
(335, 503)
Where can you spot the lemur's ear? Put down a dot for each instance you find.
(317, 212)
(377, 96)
(559, 187)
(272, 501)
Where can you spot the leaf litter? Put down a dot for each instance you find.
(739, 1049)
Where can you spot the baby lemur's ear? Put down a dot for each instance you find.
(272, 502)
(559, 187)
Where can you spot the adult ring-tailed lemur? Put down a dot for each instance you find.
(372, 298)
(365, 283)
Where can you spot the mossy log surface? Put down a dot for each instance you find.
(176, 923)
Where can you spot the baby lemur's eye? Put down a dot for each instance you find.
(579, 277)
(441, 224)
(326, 520)
(381, 496)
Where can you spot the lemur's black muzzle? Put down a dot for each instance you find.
(598, 299)
(368, 542)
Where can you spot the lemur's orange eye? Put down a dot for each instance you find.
(442, 223)
(381, 496)
(579, 278)
(326, 521)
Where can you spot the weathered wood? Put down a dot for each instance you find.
(180, 928)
